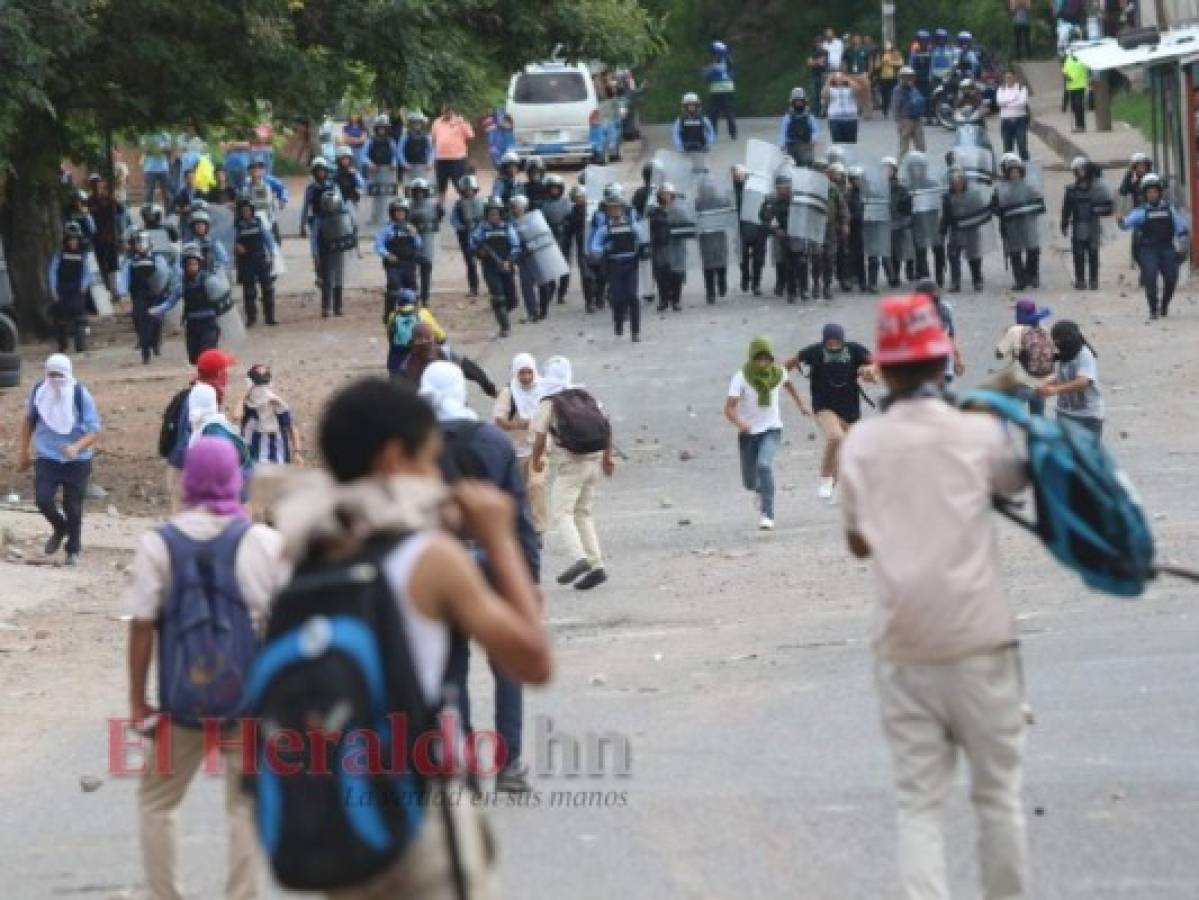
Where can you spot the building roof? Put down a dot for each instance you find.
(1177, 45)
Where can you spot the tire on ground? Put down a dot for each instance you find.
(8, 334)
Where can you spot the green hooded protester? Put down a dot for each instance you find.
(752, 407)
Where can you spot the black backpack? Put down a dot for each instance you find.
(458, 458)
(580, 426)
(336, 662)
(168, 431)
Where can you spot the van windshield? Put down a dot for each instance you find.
(550, 87)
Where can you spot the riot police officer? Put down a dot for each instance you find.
(1085, 202)
(534, 186)
(505, 186)
(799, 129)
(398, 244)
(426, 215)
(615, 245)
(216, 257)
(753, 239)
(416, 148)
(382, 159)
(465, 214)
(556, 208)
(347, 178)
(1159, 223)
(495, 242)
(1019, 206)
(255, 249)
(201, 331)
(693, 131)
(70, 281)
(144, 279)
(790, 261)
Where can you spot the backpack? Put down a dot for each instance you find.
(1087, 513)
(1036, 351)
(580, 426)
(458, 458)
(207, 641)
(175, 429)
(337, 663)
(402, 326)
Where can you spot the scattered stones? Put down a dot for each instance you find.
(90, 783)
(41, 634)
(598, 680)
(1039, 810)
(113, 511)
(16, 554)
(657, 657)
(665, 503)
(684, 522)
(686, 455)
(1118, 795)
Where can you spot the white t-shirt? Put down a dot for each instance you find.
(758, 418)
(835, 49)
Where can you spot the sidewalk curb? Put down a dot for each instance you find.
(1060, 142)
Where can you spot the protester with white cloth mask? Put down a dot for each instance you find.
(60, 427)
(513, 411)
(209, 420)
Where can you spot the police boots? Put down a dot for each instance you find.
(722, 281)
(710, 285)
(955, 273)
(802, 270)
(780, 281)
(892, 271)
(872, 275)
(337, 310)
(976, 274)
(588, 295)
(268, 306)
(1032, 269)
(1016, 260)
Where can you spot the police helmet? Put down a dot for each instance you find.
(534, 164)
(966, 84)
(493, 204)
(416, 117)
(81, 197)
(192, 251)
(397, 203)
(782, 179)
(798, 93)
(647, 172)
(857, 172)
(151, 215)
(922, 33)
(419, 184)
(941, 33)
(889, 161)
(740, 171)
(510, 158)
(719, 48)
(468, 183)
(344, 151)
(383, 120)
(666, 188)
(518, 203)
(1138, 158)
(614, 192)
(553, 180)
(200, 217)
(318, 162)
(576, 192)
(907, 72)
(965, 37)
(72, 230)
(1152, 180)
(690, 98)
(405, 298)
(1010, 161)
(199, 205)
(915, 158)
(836, 168)
(1080, 164)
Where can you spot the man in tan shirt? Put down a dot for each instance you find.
(946, 669)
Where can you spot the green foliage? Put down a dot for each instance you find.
(1136, 109)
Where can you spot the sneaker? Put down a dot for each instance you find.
(582, 567)
(594, 578)
(765, 524)
(513, 779)
(55, 543)
(825, 491)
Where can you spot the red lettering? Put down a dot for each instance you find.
(433, 751)
(499, 754)
(319, 741)
(397, 724)
(363, 753)
(122, 737)
(283, 741)
(220, 737)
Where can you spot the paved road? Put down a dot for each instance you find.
(734, 662)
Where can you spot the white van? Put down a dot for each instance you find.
(556, 115)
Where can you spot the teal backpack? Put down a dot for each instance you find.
(1088, 514)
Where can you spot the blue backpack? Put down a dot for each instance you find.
(206, 637)
(1087, 513)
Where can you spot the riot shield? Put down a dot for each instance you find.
(161, 279)
(338, 234)
(646, 289)
(383, 182)
(1022, 216)
(876, 214)
(595, 179)
(699, 162)
(542, 247)
(969, 134)
(973, 227)
(925, 179)
(424, 216)
(846, 154)
(99, 293)
(716, 221)
(808, 216)
(762, 160)
(978, 163)
(677, 169)
(220, 293)
(221, 230)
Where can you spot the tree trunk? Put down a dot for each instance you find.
(31, 221)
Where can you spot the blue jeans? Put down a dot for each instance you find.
(160, 181)
(1015, 135)
(48, 476)
(757, 465)
(1158, 259)
(509, 702)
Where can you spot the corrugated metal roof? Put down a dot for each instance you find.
(1099, 56)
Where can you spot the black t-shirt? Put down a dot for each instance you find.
(834, 378)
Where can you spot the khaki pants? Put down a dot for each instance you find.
(424, 871)
(835, 428)
(911, 132)
(574, 492)
(537, 491)
(158, 797)
(928, 712)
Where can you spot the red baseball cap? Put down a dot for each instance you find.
(212, 363)
(910, 331)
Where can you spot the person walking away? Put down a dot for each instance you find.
(1077, 76)
(1020, 206)
(385, 502)
(212, 527)
(1021, 11)
(890, 64)
(817, 67)
(947, 668)
(1027, 355)
(58, 434)
(693, 131)
(753, 239)
(1076, 382)
(70, 280)
(842, 110)
(920, 60)
(835, 369)
(475, 449)
(267, 425)
(403, 317)
(616, 246)
(1159, 224)
(752, 407)
(108, 215)
(495, 242)
(156, 167)
(1012, 100)
(582, 437)
(669, 252)
(465, 215)
(1085, 201)
(144, 280)
(398, 245)
(513, 412)
(255, 250)
(451, 135)
(799, 129)
(721, 89)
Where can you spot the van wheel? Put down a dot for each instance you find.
(8, 334)
(10, 370)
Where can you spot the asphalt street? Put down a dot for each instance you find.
(735, 663)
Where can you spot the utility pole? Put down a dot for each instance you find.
(889, 22)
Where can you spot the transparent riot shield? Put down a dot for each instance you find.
(221, 230)
(846, 154)
(1023, 220)
(716, 222)
(808, 216)
(595, 179)
(970, 134)
(677, 169)
(220, 293)
(762, 160)
(100, 296)
(382, 187)
(426, 217)
(542, 247)
(925, 179)
(876, 214)
(973, 226)
(978, 163)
